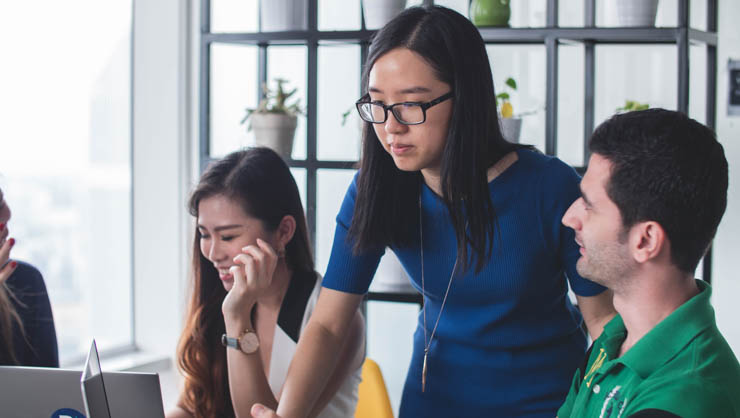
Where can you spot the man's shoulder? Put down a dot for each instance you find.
(691, 396)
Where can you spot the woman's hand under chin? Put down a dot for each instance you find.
(252, 277)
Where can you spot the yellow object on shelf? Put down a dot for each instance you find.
(507, 110)
(373, 399)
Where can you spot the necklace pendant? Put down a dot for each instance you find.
(424, 372)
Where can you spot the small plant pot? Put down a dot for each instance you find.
(490, 12)
(511, 128)
(379, 12)
(283, 15)
(637, 13)
(275, 131)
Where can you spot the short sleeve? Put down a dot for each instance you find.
(347, 271)
(559, 189)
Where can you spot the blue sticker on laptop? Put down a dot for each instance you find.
(67, 413)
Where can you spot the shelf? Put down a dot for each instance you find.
(490, 35)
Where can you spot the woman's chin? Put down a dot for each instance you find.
(228, 284)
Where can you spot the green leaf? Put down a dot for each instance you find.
(511, 83)
(503, 96)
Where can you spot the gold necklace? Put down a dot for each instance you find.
(428, 343)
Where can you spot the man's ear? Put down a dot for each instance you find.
(647, 240)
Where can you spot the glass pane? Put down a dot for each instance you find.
(571, 13)
(234, 83)
(526, 64)
(698, 14)
(339, 15)
(289, 63)
(571, 104)
(234, 16)
(339, 88)
(698, 83)
(391, 346)
(330, 190)
(66, 162)
(532, 13)
(618, 78)
(667, 15)
(460, 6)
(299, 174)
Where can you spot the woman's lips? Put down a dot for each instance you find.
(225, 274)
(400, 149)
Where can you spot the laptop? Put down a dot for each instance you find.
(93, 386)
(56, 393)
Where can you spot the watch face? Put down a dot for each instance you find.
(249, 343)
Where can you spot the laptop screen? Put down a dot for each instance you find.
(93, 388)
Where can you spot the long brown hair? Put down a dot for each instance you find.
(8, 319)
(260, 181)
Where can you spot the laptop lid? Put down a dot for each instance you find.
(93, 387)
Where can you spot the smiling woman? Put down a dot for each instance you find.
(254, 288)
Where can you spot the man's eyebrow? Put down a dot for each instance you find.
(585, 198)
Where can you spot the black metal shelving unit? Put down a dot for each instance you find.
(551, 36)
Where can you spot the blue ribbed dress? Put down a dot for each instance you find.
(509, 339)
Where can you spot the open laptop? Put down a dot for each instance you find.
(56, 393)
(93, 386)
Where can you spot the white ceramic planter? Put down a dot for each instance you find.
(637, 13)
(511, 128)
(275, 131)
(379, 12)
(282, 15)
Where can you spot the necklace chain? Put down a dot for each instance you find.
(428, 343)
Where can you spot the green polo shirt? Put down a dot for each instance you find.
(683, 366)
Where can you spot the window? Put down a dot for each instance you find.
(65, 160)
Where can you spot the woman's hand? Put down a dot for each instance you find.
(251, 279)
(7, 267)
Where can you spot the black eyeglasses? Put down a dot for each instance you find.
(407, 113)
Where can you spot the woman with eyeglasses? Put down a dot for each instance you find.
(27, 333)
(474, 220)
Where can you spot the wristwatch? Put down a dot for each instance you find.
(247, 342)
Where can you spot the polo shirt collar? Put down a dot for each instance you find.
(672, 334)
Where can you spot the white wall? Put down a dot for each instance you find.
(726, 274)
(161, 170)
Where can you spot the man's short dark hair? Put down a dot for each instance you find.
(670, 169)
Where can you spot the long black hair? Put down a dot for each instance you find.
(386, 206)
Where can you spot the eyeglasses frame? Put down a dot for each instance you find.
(423, 105)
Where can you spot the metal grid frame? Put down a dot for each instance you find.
(550, 36)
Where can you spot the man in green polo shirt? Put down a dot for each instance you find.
(652, 198)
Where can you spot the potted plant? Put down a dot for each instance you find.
(379, 12)
(631, 105)
(490, 12)
(511, 126)
(637, 13)
(274, 120)
(283, 15)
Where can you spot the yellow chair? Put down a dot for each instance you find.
(373, 399)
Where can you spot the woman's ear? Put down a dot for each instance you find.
(285, 231)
